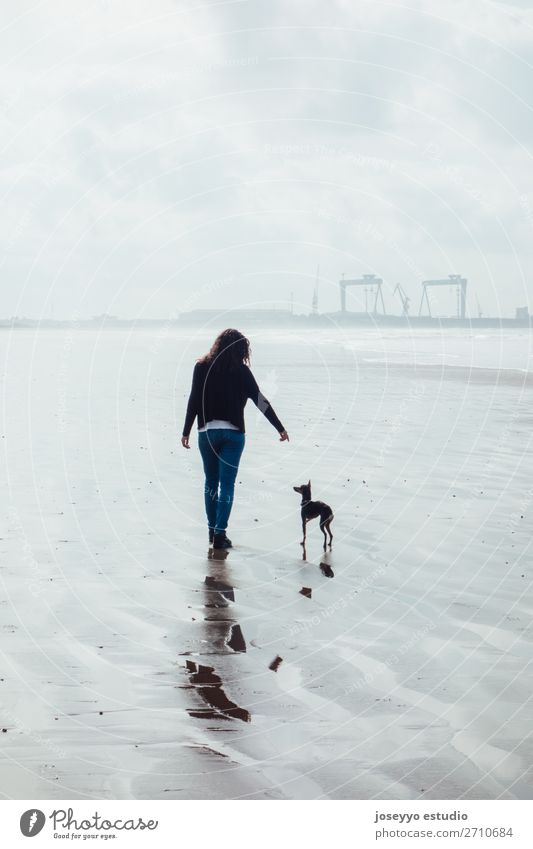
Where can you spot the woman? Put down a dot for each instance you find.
(222, 382)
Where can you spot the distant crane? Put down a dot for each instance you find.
(479, 310)
(405, 299)
(451, 280)
(368, 281)
(314, 307)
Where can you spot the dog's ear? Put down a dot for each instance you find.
(309, 484)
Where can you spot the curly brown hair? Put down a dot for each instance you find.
(229, 350)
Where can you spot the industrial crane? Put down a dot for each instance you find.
(368, 281)
(451, 280)
(405, 299)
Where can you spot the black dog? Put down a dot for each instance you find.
(313, 509)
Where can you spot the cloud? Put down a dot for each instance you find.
(152, 147)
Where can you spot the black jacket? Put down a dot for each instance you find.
(223, 396)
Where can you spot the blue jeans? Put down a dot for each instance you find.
(221, 450)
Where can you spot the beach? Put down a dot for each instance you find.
(138, 664)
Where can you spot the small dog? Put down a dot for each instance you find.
(313, 509)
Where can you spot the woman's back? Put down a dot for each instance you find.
(222, 393)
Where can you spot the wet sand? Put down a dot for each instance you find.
(137, 664)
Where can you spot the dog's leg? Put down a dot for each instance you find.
(329, 531)
(304, 529)
(323, 526)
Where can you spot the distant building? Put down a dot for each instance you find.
(522, 313)
(237, 316)
(103, 318)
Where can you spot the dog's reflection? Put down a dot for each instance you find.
(325, 566)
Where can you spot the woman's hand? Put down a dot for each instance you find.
(185, 441)
(284, 436)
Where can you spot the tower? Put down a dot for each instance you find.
(314, 306)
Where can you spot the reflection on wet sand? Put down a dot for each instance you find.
(224, 589)
(326, 570)
(209, 687)
(236, 640)
(274, 666)
(217, 554)
(223, 636)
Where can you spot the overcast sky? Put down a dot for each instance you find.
(160, 156)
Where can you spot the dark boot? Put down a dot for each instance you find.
(211, 535)
(221, 541)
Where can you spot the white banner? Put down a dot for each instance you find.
(235, 824)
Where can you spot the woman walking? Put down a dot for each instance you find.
(222, 382)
